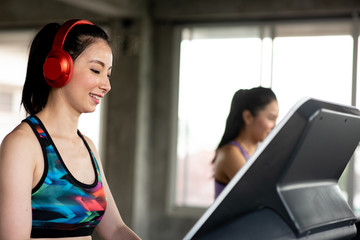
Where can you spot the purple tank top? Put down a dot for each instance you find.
(219, 186)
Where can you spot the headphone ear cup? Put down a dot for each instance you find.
(58, 68)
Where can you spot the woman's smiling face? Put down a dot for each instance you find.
(90, 80)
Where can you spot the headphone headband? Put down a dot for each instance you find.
(63, 31)
(58, 65)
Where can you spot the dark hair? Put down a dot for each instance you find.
(36, 91)
(254, 100)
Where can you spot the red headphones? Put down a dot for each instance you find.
(58, 65)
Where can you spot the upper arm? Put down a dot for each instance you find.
(231, 161)
(16, 176)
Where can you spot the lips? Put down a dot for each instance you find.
(96, 97)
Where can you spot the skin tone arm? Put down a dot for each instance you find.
(228, 163)
(111, 227)
(16, 179)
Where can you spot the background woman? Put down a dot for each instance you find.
(252, 116)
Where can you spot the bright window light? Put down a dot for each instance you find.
(213, 68)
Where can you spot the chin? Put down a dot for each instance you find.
(89, 110)
(263, 138)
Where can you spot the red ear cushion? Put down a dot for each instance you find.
(58, 68)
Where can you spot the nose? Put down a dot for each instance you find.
(273, 124)
(105, 85)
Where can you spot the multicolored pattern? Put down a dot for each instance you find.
(61, 205)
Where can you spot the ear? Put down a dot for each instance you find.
(247, 116)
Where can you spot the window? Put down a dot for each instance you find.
(309, 65)
(205, 91)
(6, 101)
(312, 59)
(13, 61)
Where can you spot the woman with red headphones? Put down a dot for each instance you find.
(52, 183)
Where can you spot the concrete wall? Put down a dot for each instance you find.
(121, 118)
(140, 107)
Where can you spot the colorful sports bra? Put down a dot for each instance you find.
(61, 205)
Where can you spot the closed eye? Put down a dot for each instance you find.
(272, 117)
(95, 71)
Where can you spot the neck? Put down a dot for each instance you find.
(59, 119)
(248, 145)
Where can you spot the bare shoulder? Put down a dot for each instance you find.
(229, 160)
(91, 145)
(89, 141)
(19, 142)
(229, 153)
(93, 148)
(22, 136)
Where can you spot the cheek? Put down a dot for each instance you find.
(90, 81)
(84, 79)
(266, 126)
(270, 124)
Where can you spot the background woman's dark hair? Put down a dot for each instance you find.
(36, 91)
(254, 100)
